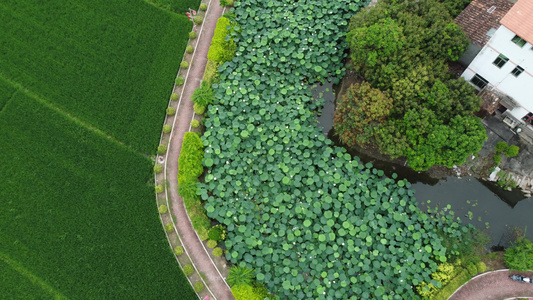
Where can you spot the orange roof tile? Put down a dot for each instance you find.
(480, 16)
(520, 20)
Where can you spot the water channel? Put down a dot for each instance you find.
(481, 203)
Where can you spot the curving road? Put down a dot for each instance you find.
(494, 286)
(184, 115)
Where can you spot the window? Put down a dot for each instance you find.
(517, 71)
(500, 61)
(528, 118)
(518, 40)
(479, 81)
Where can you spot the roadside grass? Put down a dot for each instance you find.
(78, 213)
(111, 64)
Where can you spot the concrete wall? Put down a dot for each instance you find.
(519, 88)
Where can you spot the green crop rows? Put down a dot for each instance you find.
(312, 221)
(77, 212)
(78, 218)
(109, 63)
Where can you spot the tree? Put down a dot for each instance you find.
(520, 256)
(383, 38)
(358, 111)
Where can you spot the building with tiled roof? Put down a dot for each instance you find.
(504, 64)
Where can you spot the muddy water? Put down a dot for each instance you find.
(475, 201)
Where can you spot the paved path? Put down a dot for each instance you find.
(184, 116)
(494, 286)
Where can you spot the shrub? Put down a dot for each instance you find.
(203, 233)
(512, 151)
(163, 209)
(501, 147)
(158, 169)
(481, 267)
(204, 95)
(192, 35)
(211, 244)
(221, 50)
(167, 128)
(171, 111)
(178, 81)
(162, 149)
(211, 72)
(195, 123)
(217, 252)
(189, 49)
(203, 6)
(198, 286)
(188, 270)
(178, 250)
(497, 158)
(174, 96)
(198, 109)
(198, 20)
(229, 2)
(217, 233)
(184, 65)
(519, 257)
(472, 269)
(240, 276)
(159, 188)
(452, 286)
(169, 227)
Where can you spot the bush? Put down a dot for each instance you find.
(198, 109)
(472, 269)
(178, 81)
(501, 147)
(192, 35)
(162, 149)
(217, 252)
(497, 158)
(159, 188)
(195, 123)
(204, 95)
(217, 233)
(198, 286)
(481, 267)
(452, 286)
(203, 233)
(169, 227)
(203, 6)
(171, 111)
(188, 270)
(240, 276)
(184, 65)
(158, 169)
(512, 151)
(167, 128)
(211, 244)
(174, 96)
(221, 50)
(226, 2)
(163, 209)
(519, 257)
(189, 49)
(211, 72)
(198, 20)
(178, 250)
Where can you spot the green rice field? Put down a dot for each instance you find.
(109, 63)
(83, 90)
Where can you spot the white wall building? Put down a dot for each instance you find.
(505, 64)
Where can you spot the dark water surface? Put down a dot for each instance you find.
(485, 201)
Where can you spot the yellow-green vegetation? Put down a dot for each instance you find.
(190, 162)
(169, 227)
(211, 244)
(162, 149)
(217, 252)
(178, 250)
(158, 168)
(519, 257)
(171, 111)
(159, 188)
(198, 286)
(163, 209)
(188, 270)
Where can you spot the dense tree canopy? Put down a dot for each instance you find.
(405, 55)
